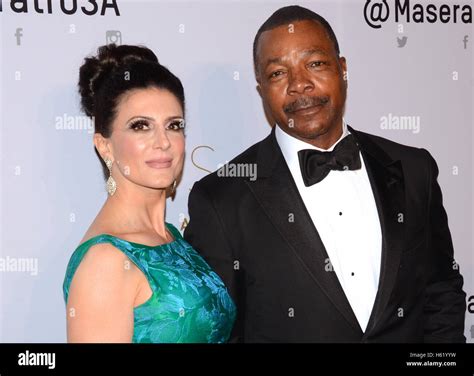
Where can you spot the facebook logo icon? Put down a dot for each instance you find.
(18, 35)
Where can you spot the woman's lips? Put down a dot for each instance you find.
(159, 163)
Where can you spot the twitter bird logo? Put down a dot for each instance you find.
(402, 42)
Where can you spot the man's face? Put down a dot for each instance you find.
(301, 79)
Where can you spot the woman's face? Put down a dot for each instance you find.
(147, 139)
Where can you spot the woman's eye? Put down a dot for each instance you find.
(176, 125)
(139, 125)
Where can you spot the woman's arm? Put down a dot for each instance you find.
(101, 297)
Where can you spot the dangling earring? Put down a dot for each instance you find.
(111, 184)
(173, 188)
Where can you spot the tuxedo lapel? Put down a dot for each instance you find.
(278, 195)
(386, 179)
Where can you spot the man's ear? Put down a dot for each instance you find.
(343, 64)
(259, 89)
(103, 146)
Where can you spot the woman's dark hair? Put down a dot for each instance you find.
(103, 79)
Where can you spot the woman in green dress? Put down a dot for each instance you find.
(133, 278)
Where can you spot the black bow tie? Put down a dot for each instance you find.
(315, 165)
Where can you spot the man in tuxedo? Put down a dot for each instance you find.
(343, 236)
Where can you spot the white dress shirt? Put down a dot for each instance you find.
(343, 210)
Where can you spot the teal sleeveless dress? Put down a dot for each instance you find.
(189, 302)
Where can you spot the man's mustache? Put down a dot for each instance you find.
(305, 102)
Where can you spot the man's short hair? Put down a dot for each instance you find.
(287, 15)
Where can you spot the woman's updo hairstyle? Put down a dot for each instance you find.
(105, 78)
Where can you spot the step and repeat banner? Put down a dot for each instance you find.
(410, 74)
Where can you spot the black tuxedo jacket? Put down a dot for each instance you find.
(258, 236)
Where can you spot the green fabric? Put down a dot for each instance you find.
(189, 301)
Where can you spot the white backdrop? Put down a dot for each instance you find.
(51, 182)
